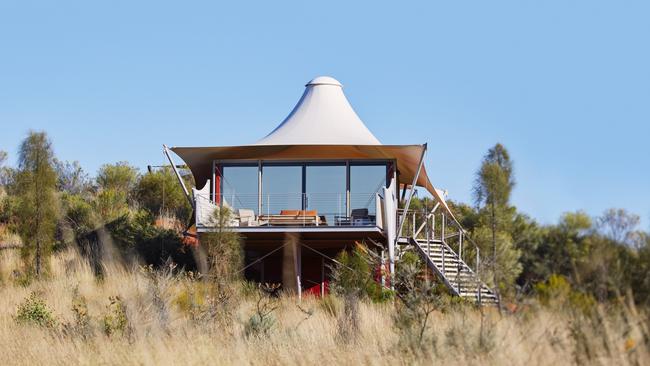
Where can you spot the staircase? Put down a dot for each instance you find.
(443, 260)
(453, 271)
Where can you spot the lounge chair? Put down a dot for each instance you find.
(247, 218)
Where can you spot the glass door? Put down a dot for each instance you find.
(281, 189)
(325, 192)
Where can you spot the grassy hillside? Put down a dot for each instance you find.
(137, 316)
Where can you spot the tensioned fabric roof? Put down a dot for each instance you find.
(322, 126)
(322, 116)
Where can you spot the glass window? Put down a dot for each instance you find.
(281, 188)
(239, 187)
(365, 181)
(325, 191)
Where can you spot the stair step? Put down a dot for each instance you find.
(457, 274)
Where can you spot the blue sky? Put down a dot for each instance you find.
(565, 85)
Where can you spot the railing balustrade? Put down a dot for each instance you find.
(421, 224)
(294, 209)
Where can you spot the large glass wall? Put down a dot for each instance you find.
(319, 187)
(365, 182)
(325, 189)
(281, 188)
(239, 187)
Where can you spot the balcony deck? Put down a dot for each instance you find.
(367, 222)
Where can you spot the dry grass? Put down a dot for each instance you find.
(8, 239)
(163, 332)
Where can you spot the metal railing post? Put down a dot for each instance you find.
(460, 248)
(442, 241)
(413, 224)
(433, 226)
(428, 242)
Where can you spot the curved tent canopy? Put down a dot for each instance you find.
(199, 159)
(322, 126)
(322, 116)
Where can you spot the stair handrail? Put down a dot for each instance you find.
(462, 233)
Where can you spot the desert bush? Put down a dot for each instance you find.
(557, 292)
(353, 279)
(262, 320)
(419, 296)
(35, 311)
(81, 325)
(224, 250)
(191, 298)
(116, 321)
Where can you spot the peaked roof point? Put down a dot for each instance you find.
(322, 116)
(324, 80)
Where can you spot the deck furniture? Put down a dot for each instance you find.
(293, 218)
(360, 217)
(247, 218)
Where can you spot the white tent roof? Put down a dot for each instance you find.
(323, 116)
(322, 125)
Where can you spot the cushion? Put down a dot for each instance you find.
(290, 212)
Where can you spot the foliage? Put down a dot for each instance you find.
(353, 278)
(110, 204)
(81, 326)
(159, 192)
(492, 189)
(38, 207)
(120, 176)
(557, 292)
(192, 298)
(620, 226)
(262, 321)
(78, 213)
(353, 273)
(35, 311)
(419, 296)
(224, 249)
(6, 173)
(134, 235)
(495, 179)
(116, 321)
(72, 178)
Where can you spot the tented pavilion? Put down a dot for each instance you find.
(321, 181)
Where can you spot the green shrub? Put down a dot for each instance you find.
(258, 325)
(116, 320)
(557, 292)
(262, 321)
(81, 326)
(35, 311)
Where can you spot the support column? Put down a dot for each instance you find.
(297, 266)
(291, 264)
(322, 277)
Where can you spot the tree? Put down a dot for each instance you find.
(120, 176)
(71, 177)
(493, 185)
(38, 202)
(160, 193)
(6, 173)
(116, 183)
(620, 226)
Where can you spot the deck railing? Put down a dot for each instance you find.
(293, 209)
